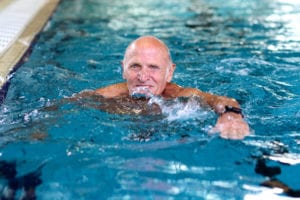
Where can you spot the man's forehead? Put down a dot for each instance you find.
(151, 55)
(147, 47)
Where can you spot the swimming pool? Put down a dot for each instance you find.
(246, 50)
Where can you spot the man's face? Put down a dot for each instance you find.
(147, 69)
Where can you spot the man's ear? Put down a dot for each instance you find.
(171, 72)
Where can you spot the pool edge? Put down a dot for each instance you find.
(16, 52)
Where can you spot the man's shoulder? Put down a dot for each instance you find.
(114, 90)
(173, 90)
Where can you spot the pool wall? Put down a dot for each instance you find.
(20, 23)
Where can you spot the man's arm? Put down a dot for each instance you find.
(230, 123)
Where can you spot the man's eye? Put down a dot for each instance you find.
(134, 66)
(154, 67)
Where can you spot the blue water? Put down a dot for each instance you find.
(246, 50)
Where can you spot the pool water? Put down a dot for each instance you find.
(246, 50)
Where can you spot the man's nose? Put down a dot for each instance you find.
(143, 75)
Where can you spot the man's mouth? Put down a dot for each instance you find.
(143, 86)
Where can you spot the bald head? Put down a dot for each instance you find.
(148, 42)
(147, 66)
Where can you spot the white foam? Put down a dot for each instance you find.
(262, 193)
(287, 158)
(181, 110)
(141, 91)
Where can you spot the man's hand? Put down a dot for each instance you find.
(231, 126)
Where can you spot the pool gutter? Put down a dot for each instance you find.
(20, 23)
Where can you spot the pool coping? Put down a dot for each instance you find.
(17, 50)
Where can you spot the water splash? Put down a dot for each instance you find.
(141, 92)
(182, 109)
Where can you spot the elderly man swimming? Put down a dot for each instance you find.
(148, 69)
